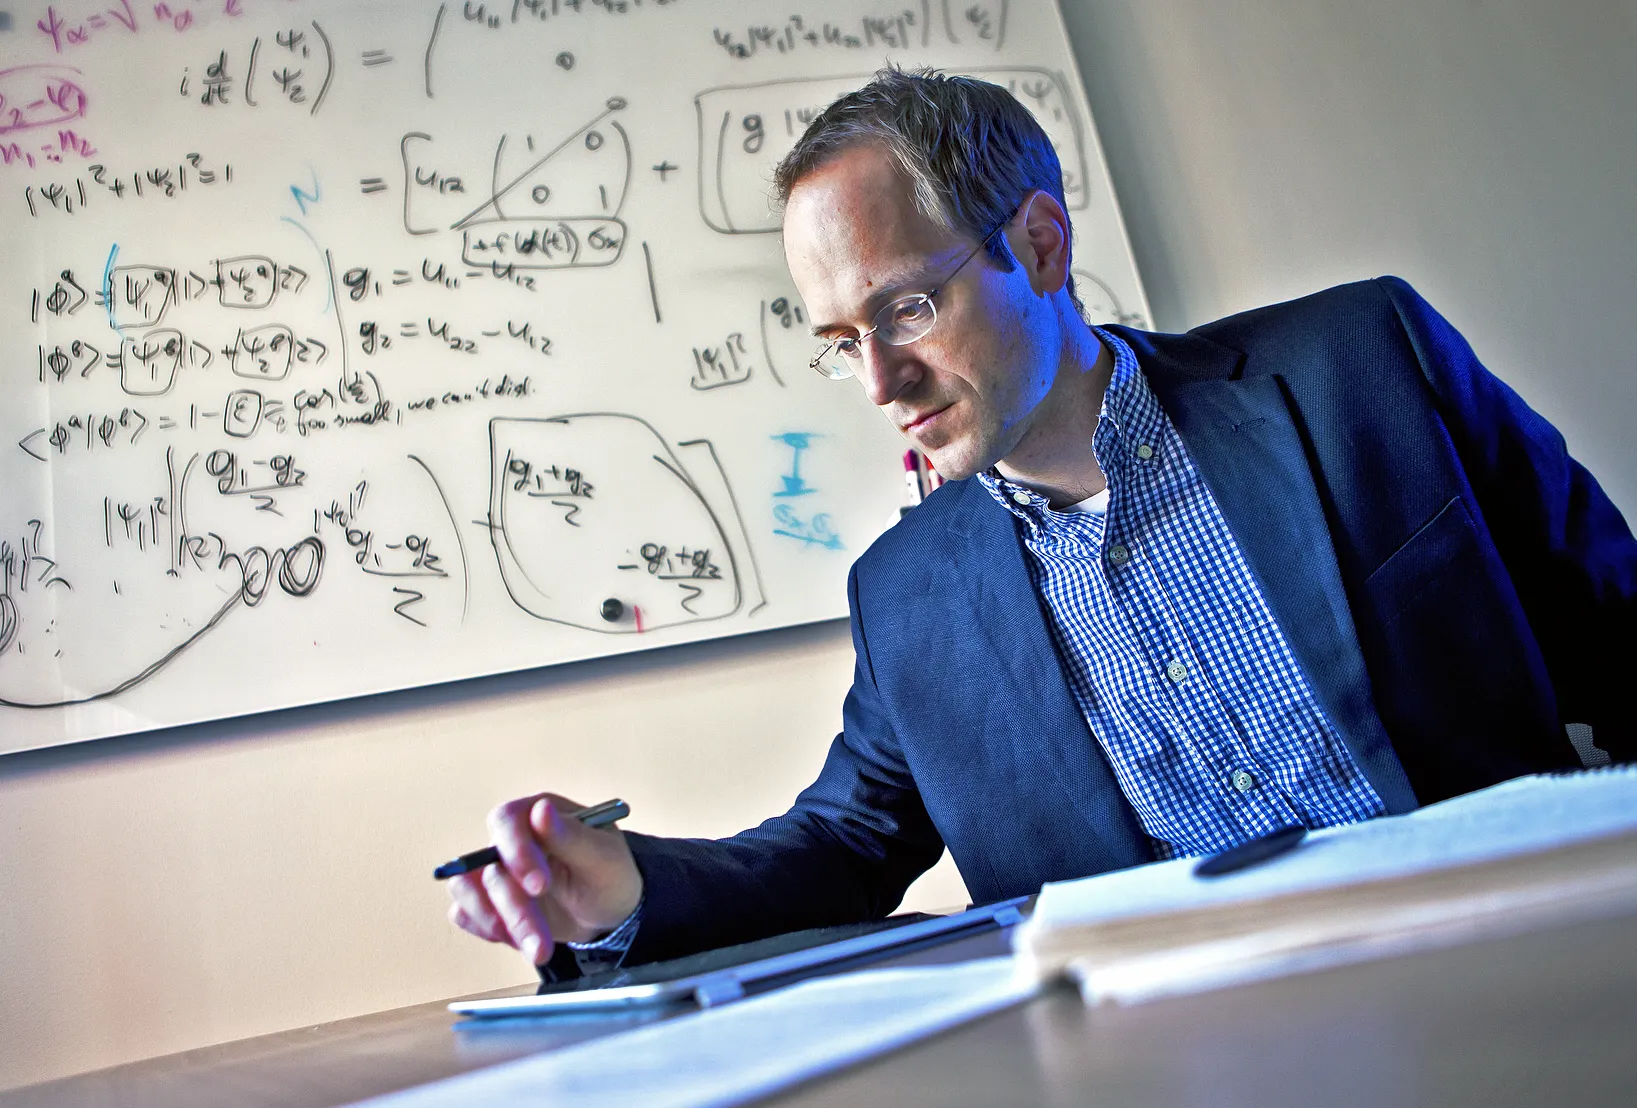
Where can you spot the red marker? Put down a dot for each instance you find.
(930, 475)
(912, 479)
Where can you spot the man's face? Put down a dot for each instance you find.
(965, 393)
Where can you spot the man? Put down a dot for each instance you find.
(1310, 564)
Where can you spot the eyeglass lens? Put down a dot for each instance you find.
(896, 324)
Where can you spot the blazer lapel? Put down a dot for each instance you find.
(1048, 735)
(1244, 437)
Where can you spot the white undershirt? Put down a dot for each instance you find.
(1096, 504)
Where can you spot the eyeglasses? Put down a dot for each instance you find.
(898, 323)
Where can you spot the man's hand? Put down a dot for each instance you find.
(557, 880)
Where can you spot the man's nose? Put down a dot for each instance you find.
(886, 371)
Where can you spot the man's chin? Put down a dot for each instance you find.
(952, 462)
(955, 451)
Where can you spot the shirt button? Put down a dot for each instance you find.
(1118, 554)
(1177, 672)
(1243, 781)
(1020, 497)
(1145, 452)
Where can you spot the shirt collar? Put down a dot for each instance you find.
(1130, 415)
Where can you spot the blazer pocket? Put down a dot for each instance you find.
(1424, 559)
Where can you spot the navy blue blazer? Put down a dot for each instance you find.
(1454, 585)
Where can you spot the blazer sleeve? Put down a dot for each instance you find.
(846, 850)
(1566, 546)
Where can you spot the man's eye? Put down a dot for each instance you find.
(847, 348)
(909, 311)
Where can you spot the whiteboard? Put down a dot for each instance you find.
(353, 346)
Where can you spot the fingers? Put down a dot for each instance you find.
(556, 879)
(519, 913)
(521, 852)
(492, 906)
(595, 882)
(490, 932)
(471, 911)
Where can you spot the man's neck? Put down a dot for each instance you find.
(1056, 458)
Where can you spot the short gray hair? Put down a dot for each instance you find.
(969, 150)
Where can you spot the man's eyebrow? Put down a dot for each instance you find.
(896, 285)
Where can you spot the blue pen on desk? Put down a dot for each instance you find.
(598, 815)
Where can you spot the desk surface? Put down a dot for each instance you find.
(1534, 1019)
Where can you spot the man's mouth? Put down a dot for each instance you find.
(925, 418)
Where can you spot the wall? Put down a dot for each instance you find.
(1481, 149)
(195, 886)
(189, 887)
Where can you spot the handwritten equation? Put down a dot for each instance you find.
(746, 129)
(349, 347)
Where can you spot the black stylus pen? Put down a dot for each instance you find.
(1253, 852)
(598, 815)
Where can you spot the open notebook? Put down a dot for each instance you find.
(1523, 854)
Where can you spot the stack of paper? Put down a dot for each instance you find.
(1524, 854)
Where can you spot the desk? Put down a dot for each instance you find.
(1548, 1018)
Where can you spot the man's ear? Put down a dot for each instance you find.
(1042, 241)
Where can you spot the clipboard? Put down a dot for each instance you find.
(684, 983)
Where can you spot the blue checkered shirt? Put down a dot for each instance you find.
(1170, 648)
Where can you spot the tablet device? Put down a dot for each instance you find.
(721, 976)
